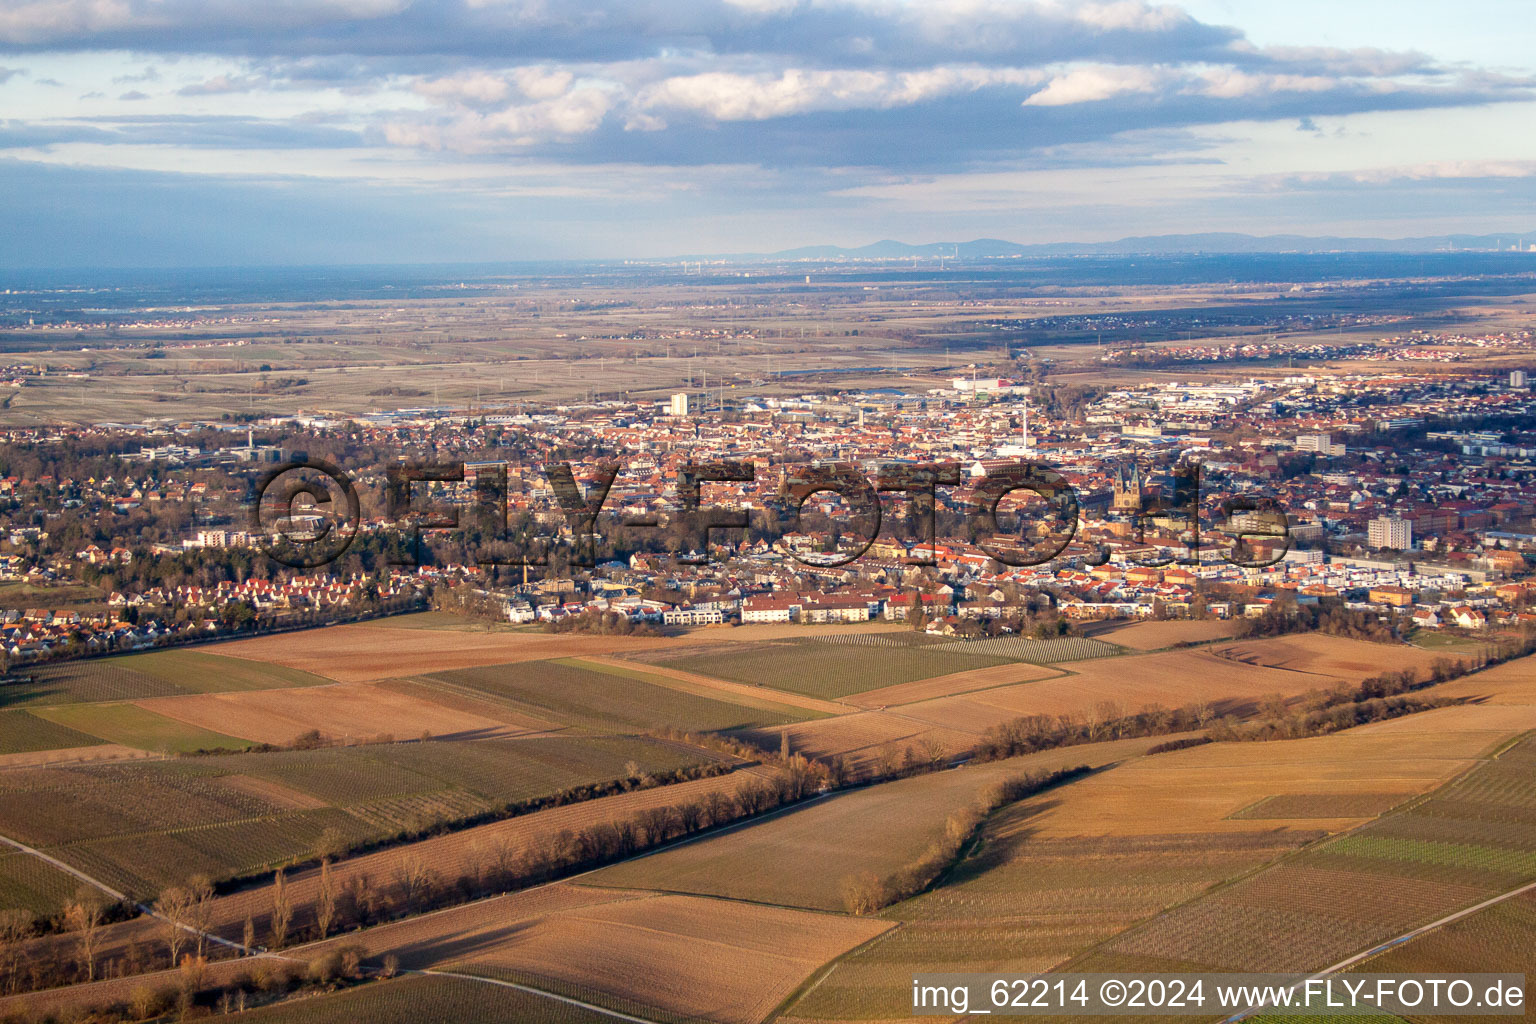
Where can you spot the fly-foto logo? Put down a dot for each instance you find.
(308, 513)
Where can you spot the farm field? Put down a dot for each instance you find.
(1151, 636)
(759, 632)
(799, 858)
(1169, 679)
(22, 732)
(1512, 683)
(424, 1000)
(950, 685)
(142, 826)
(73, 755)
(1041, 652)
(135, 726)
(684, 955)
(137, 676)
(365, 653)
(1331, 656)
(1064, 872)
(605, 701)
(1025, 904)
(1466, 842)
(716, 689)
(829, 671)
(1499, 938)
(344, 710)
(862, 738)
(30, 884)
(466, 852)
(1204, 788)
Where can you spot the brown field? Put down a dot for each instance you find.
(359, 654)
(955, 683)
(1169, 679)
(799, 858)
(1150, 636)
(411, 934)
(860, 737)
(682, 954)
(717, 960)
(272, 791)
(73, 755)
(356, 710)
(1199, 789)
(1332, 657)
(1513, 682)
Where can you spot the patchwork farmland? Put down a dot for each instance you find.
(487, 786)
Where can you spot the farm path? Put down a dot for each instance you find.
(54, 862)
(144, 908)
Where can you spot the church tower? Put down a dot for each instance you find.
(1127, 489)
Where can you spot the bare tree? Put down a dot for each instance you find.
(325, 909)
(1204, 712)
(504, 858)
(248, 935)
(282, 909)
(718, 807)
(173, 905)
(415, 882)
(201, 910)
(84, 916)
(363, 896)
(16, 927)
(863, 893)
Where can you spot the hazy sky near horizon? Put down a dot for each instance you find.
(184, 132)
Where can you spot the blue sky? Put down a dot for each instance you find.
(186, 132)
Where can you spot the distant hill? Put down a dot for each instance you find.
(1212, 242)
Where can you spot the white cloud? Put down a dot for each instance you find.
(727, 96)
(474, 87)
(1095, 83)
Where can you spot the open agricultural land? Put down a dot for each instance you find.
(424, 788)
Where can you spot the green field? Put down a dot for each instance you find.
(201, 672)
(764, 703)
(607, 701)
(829, 670)
(424, 1000)
(1040, 652)
(31, 884)
(142, 825)
(133, 726)
(22, 732)
(137, 676)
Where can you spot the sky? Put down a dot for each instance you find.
(149, 133)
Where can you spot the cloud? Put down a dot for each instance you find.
(1093, 84)
(725, 96)
(824, 33)
(6, 74)
(220, 85)
(817, 99)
